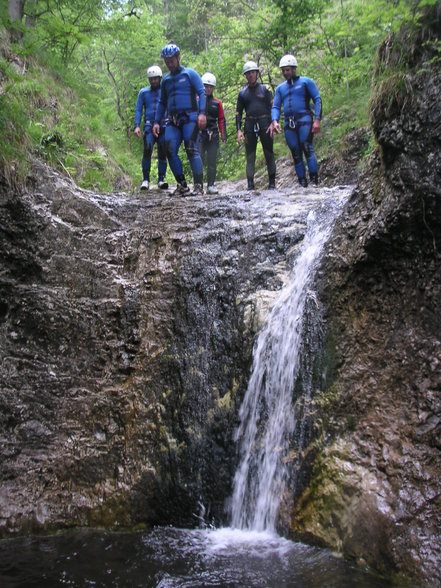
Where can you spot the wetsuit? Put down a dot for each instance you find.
(148, 102)
(256, 100)
(209, 137)
(296, 95)
(179, 92)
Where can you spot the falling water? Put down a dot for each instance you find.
(269, 417)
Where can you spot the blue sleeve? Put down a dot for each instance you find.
(162, 103)
(315, 96)
(138, 109)
(196, 82)
(275, 110)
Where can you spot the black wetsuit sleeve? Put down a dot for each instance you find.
(268, 99)
(239, 111)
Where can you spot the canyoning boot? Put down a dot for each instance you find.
(162, 185)
(197, 190)
(250, 184)
(272, 183)
(145, 185)
(313, 177)
(303, 182)
(182, 189)
(212, 190)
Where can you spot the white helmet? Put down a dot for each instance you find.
(250, 66)
(288, 61)
(154, 72)
(209, 79)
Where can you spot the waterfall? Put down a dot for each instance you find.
(269, 417)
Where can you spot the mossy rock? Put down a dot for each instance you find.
(345, 508)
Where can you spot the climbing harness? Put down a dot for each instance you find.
(180, 119)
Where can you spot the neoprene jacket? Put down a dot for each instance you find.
(216, 116)
(296, 95)
(179, 94)
(256, 100)
(147, 100)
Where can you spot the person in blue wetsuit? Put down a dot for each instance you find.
(147, 102)
(296, 95)
(183, 97)
(256, 100)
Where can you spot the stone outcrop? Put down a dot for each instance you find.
(375, 487)
(127, 324)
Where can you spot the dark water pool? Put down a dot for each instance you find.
(169, 557)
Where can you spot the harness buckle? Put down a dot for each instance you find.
(180, 119)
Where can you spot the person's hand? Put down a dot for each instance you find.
(155, 130)
(137, 132)
(316, 126)
(273, 129)
(240, 137)
(202, 121)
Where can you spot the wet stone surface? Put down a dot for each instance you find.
(375, 491)
(127, 323)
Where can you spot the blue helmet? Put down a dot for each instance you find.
(170, 50)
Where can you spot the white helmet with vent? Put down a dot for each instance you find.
(288, 61)
(250, 66)
(209, 79)
(154, 72)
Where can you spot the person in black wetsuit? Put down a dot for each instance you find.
(209, 137)
(256, 100)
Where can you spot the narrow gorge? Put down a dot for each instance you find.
(127, 332)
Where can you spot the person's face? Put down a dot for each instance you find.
(155, 82)
(251, 77)
(208, 90)
(173, 63)
(288, 72)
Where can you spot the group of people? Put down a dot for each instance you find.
(180, 107)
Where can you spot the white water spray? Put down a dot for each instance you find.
(268, 415)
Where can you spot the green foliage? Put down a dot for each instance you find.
(391, 89)
(69, 80)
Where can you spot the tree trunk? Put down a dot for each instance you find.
(15, 13)
(16, 10)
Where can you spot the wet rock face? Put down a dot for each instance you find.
(127, 323)
(375, 489)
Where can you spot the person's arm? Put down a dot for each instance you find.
(221, 122)
(161, 110)
(138, 114)
(268, 99)
(277, 106)
(198, 85)
(274, 127)
(239, 111)
(316, 98)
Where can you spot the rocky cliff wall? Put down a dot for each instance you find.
(375, 491)
(125, 342)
